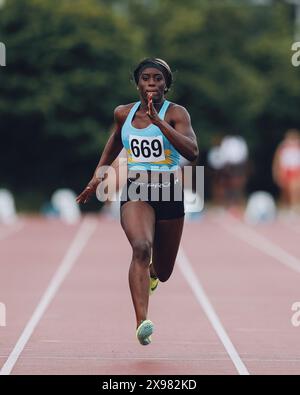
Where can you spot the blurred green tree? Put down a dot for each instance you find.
(68, 66)
(233, 69)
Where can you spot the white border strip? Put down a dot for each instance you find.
(85, 231)
(191, 278)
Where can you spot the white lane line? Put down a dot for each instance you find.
(188, 273)
(11, 229)
(261, 243)
(291, 227)
(83, 234)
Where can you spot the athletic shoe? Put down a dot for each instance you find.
(153, 284)
(144, 332)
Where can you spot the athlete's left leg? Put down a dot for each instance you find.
(165, 247)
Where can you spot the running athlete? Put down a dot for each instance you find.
(154, 133)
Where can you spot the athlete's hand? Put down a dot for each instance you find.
(88, 191)
(152, 113)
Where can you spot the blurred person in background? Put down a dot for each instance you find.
(286, 169)
(228, 160)
(216, 176)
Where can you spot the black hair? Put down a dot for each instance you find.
(157, 63)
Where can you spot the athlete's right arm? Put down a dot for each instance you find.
(111, 151)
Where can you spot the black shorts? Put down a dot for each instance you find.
(163, 192)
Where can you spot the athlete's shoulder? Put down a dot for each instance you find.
(121, 112)
(177, 111)
(123, 109)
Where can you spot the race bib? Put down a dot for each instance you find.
(147, 149)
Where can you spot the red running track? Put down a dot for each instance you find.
(225, 310)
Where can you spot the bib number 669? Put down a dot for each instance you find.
(147, 149)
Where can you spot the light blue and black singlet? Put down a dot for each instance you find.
(149, 151)
(148, 148)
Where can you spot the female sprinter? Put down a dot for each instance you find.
(154, 133)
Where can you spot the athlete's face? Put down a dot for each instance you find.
(152, 80)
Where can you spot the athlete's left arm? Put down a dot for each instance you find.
(180, 132)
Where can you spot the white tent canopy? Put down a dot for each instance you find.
(64, 202)
(7, 207)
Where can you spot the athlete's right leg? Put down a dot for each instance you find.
(138, 222)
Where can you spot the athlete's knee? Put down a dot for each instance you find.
(141, 251)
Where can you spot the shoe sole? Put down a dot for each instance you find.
(144, 332)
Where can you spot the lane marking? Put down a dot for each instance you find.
(85, 231)
(188, 273)
(291, 227)
(261, 243)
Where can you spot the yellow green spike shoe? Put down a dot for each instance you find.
(144, 332)
(153, 284)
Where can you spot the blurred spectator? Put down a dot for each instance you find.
(229, 160)
(286, 169)
(216, 173)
